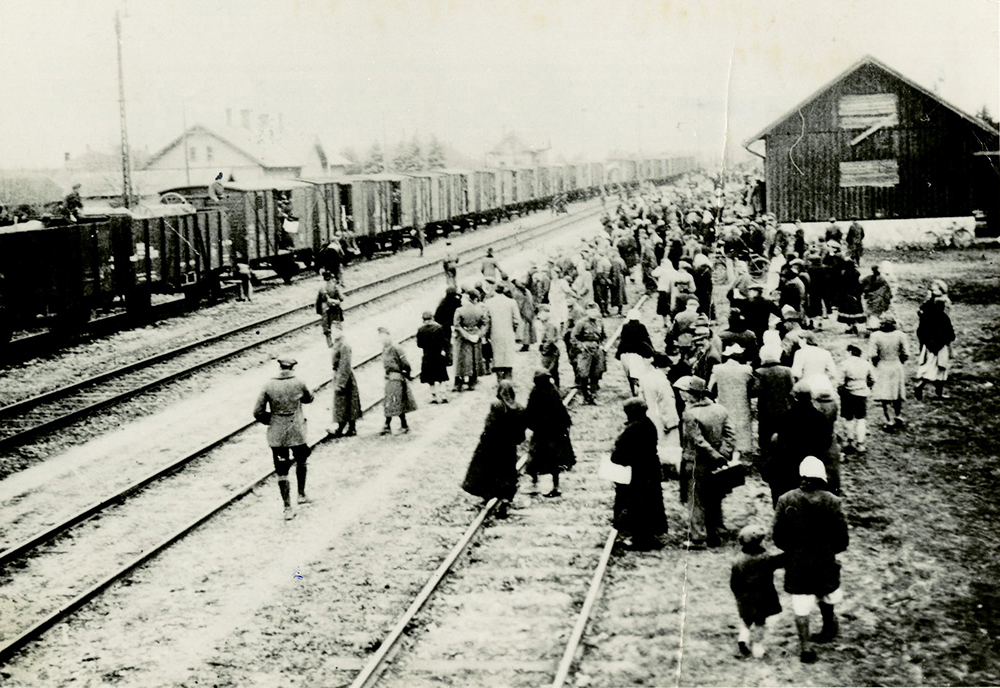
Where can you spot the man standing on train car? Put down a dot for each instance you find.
(329, 305)
(72, 204)
(279, 407)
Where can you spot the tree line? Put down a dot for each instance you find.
(408, 156)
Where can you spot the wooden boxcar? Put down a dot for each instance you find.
(63, 271)
(175, 249)
(383, 208)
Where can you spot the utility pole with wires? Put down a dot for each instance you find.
(126, 161)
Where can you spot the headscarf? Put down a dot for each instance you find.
(545, 406)
(506, 394)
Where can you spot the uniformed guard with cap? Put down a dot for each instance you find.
(279, 407)
(588, 338)
(399, 397)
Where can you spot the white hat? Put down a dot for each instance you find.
(634, 314)
(733, 350)
(811, 467)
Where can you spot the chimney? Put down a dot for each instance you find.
(245, 118)
(229, 117)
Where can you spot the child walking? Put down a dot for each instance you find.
(752, 583)
(859, 376)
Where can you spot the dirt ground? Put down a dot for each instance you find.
(920, 576)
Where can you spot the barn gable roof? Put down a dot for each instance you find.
(869, 60)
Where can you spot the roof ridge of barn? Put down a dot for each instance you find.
(866, 60)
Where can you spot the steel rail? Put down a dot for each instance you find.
(10, 647)
(18, 550)
(377, 664)
(65, 419)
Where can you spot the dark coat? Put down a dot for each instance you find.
(634, 340)
(803, 431)
(752, 583)
(772, 385)
(638, 508)
(935, 330)
(434, 363)
(703, 288)
(493, 469)
(346, 400)
(550, 449)
(809, 526)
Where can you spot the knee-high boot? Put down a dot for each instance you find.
(300, 476)
(830, 625)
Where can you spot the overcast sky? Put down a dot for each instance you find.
(586, 75)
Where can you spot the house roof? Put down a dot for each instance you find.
(512, 142)
(869, 60)
(257, 147)
(18, 188)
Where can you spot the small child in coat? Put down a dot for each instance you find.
(752, 583)
(859, 376)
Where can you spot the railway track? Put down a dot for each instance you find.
(22, 421)
(167, 513)
(528, 640)
(201, 488)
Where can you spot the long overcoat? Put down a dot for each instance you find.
(434, 362)
(493, 469)
(346, 400)
(550, 449)
(638, 508)
(504, 323)
(399, 397)
(772, 385)
(279, 407)
(469, 327)
(809, 526)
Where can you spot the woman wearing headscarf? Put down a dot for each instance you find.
(888, 351)
(550, 450)
(935, 335)
(638, 509)
(493, 469)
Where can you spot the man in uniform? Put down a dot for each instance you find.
(329, 305)
(399, 397)
(588, 337)
(279, 407)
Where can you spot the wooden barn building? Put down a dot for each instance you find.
(873, 144)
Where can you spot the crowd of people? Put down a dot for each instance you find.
(737, 384)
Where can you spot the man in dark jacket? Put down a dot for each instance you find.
(772, 385)
(279, 407)
(809, 526)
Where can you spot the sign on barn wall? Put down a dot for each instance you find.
(869, 173)
(862, 112)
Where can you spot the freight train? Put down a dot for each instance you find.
(56, 276)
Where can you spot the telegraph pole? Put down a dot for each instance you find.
(126, 162)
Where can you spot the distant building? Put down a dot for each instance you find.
(513, 152)
(873, 144)
(242, 154)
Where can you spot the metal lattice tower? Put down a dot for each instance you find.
(126, 161)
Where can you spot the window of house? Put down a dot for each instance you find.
(192, 156)
(208, 153)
